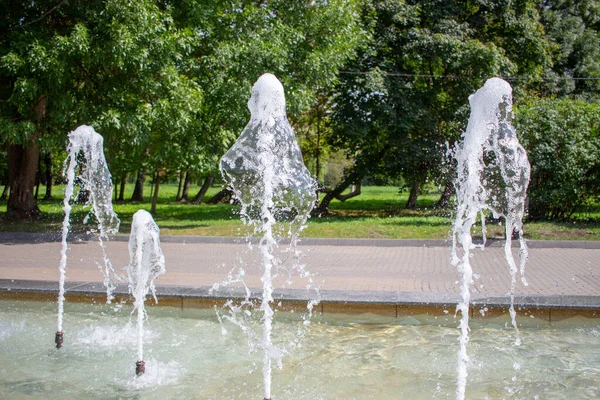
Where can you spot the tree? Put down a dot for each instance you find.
(573, 27)
(562, 139)
(112, 64)
(406, 96)
(303, 43)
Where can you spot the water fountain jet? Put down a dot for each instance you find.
(146, 263)
(266, 172)
(489, 153)
(95, 178)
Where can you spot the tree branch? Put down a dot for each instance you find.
(44, 15)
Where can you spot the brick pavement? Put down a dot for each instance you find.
(425, 269)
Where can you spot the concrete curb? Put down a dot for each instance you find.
(350, 298)
(27, 237)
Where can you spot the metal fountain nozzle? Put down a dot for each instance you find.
(58, 339)
(140, 368)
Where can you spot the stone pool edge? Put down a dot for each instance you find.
(40, 237)
(546, 307)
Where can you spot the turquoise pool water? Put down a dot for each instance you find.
(338, 357)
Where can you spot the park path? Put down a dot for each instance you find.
(358, 266)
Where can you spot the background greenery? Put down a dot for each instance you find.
(378, 213)
(377, 91)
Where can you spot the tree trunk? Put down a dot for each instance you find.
(221, 197)
(37, 185)
(353, 176)
(152, 184)
(205, 186)
(138, 190)
(180, 179)
(323, 208)
(155, 194)
(318, 151)
(22, 167)
(4, 192)
(122, 189)
(49, 178)
(185, 194)
(38, 178)
(444, 200)
(414, 194)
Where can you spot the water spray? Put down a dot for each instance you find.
(266, 172)
(489, 155)
(146, 263)
(95, 178)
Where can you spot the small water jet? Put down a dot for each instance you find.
(146, 263)
(493, 174)
(266, 172)
(96, 179)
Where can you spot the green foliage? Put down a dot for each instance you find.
(303, 43)
(111, 64)
(562, 139)
(410, 96)
(378, 213)
(573, 26)
(165, 84)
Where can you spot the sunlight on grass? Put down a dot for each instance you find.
(378, 213)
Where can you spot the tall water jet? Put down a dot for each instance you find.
(146, 263)
(266, 172)
(493, 175)
(96, 179)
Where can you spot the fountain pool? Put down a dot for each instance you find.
(341, 357)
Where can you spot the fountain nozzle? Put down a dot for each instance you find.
(140, 368)
(58, 339)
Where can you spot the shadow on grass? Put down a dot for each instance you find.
(398, 220)
(381, 204)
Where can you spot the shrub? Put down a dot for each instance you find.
(562, 139)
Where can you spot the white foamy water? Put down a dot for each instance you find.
(146, 263)
(110, 337)
(266, 172)
(157, 374)
(10, 328)
(94, 177)
(493, 175)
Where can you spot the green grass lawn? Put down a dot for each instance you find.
(378, 212)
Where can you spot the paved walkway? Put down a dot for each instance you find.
(351, 266)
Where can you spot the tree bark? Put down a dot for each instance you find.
(414, 194)
(37, 184)
(152, 184)
(205, 186)
(22, 167)
(354, 177)
(49, 177)
(180, 183)
(354, 191)
(444, 200)
(155, 194)
(222, 197)
(138, 190)
(23, 161)
(318, 150)
(122, 188)
(185, 194)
